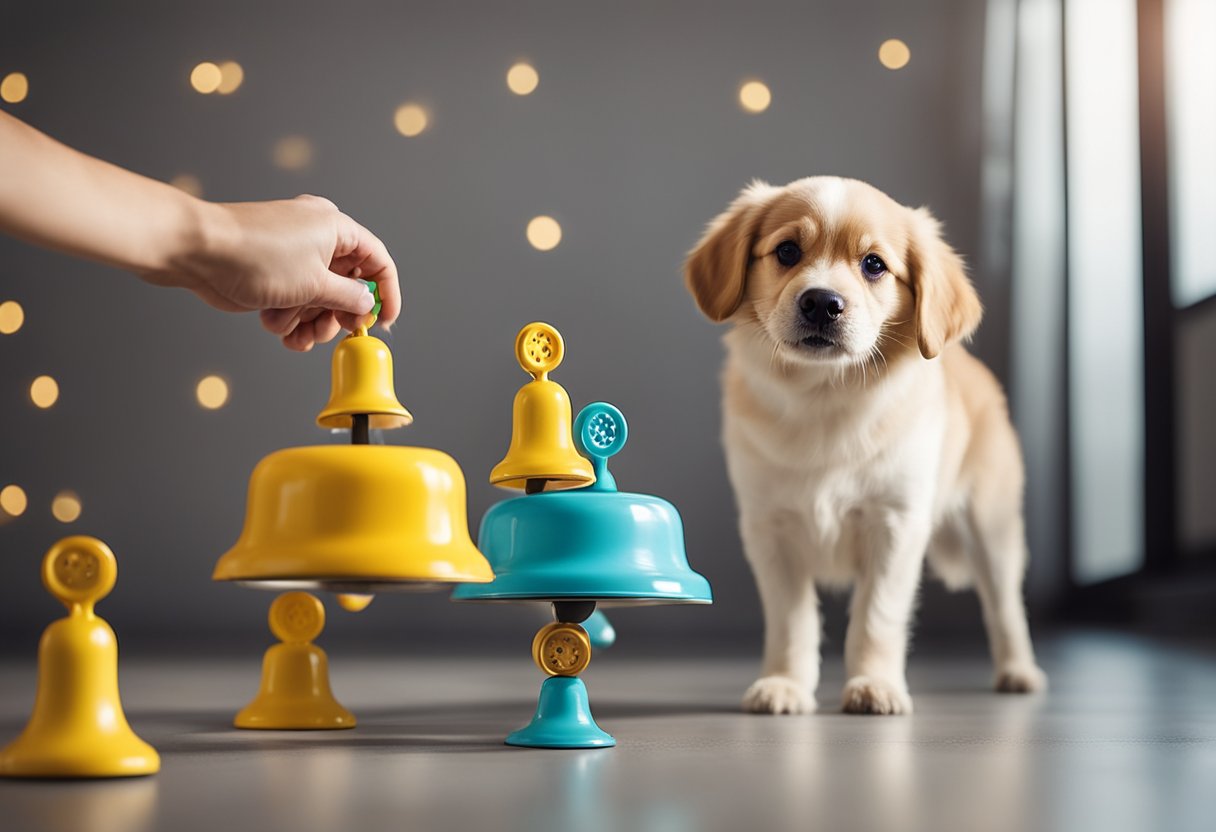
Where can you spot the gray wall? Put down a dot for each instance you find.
(633, 140)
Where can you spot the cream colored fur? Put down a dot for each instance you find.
(850, 463)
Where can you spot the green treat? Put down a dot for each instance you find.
(374, 288)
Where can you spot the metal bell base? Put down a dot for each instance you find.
(563, 719)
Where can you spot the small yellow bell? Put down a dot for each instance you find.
(78, 728)
(295, 691)
(362, 383)
(542, 445)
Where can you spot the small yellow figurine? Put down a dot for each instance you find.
(78, 728)
(295, 690)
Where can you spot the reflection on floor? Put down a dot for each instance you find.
(1126, 739)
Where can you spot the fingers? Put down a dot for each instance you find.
(342, 294)
(362, 252)
(280, 321)
(308, 333)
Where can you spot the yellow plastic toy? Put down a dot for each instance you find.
(362, 385)
(295, 692)
(542, 455)
(360, 518)
(353, 602)
(78, 728)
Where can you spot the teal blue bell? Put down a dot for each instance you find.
(588, 544)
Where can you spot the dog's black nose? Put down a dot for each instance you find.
(820, 307)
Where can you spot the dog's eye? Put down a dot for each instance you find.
(788, 253)
(873, 267)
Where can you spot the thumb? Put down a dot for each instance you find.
(343, 294)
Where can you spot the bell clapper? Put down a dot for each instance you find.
(573, 612)
(360, 433)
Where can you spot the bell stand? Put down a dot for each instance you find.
(562, 650)
(563, 717)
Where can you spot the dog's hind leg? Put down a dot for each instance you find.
(1000, 565)
(791, 620)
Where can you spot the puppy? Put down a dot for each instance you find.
(860, 436)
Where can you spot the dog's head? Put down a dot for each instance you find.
(833, 271)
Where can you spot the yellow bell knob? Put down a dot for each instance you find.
(362, 383)
(78, 728)
(295, 692)
(542, 443)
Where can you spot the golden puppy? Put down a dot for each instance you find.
(859, 434)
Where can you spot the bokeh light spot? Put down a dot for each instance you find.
(13, 500)
(755, 96)
(12, 316)
(231, 77)
(189, 183)
(212, 392)
(66, 507)
(410, 119)
(544, 233)
(894, 54)
(15, 87)
(206, 78)
(44, 391)
(293, 153)
(522, 79)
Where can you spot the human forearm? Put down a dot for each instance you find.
(289, 259)
(54, 196)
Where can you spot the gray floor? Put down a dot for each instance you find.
(1126, 739)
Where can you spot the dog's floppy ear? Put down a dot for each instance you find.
(716, 269)
(947, 306)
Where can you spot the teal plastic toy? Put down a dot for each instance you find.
(576, 547)
(588, 544)
(563, 719)
(600, 631)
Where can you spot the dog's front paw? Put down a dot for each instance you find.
(1020, 678)
(778, 695)
(867, 695)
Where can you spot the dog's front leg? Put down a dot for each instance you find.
(791, 621)
(875, 649)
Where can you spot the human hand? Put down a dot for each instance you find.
(291, 260)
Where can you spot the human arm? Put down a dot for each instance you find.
(291, 260)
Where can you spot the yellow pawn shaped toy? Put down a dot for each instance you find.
(295, 692)
(78, 728)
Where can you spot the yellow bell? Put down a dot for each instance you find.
(295, 692)
(355, 518)
(359, 518)
(542, 452)
(78, 728)
(362, 384)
